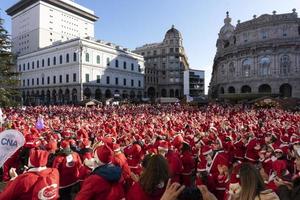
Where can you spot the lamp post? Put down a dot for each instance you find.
(80, 70)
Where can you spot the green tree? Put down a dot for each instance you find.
(9, 78)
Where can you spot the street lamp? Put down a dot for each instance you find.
(80, 50)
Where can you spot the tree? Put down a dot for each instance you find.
(9, 78)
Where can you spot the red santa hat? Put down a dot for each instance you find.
(38, 158)
(163, 145)
(103, 154)
(65, 144)
(85, 143)
(116, 148)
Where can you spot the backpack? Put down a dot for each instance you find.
(46, 187)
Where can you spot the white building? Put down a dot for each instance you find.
(193, 83)
(59, 60)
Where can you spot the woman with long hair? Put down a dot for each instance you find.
(152, 182)
(252, 184)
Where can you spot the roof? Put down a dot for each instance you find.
(23, 4)
(174, 32)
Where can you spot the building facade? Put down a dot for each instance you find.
(193, 83)
(165, 63)
(72, 70)
(258, 57)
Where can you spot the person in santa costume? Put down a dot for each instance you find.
(188, 164)
(105, 181)
(153, 180)
(37, 183)
(68, 164)
(174, 161)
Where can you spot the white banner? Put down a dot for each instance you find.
(10, 142)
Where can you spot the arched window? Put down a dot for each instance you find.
(107, 61)
(98, 59)
(54, 60)
(117, 63)
(231, 69)
(246, 67)
(264, 66)
(285, 64)
(67, 58)
(87, 57)
(60, 59)
(74, 57)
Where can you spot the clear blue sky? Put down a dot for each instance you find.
(132, 23)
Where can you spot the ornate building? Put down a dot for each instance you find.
(257, 58)
(165, 63)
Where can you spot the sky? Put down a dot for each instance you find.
(133, 23)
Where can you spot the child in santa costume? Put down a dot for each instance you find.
(38, 183)
(105, 181)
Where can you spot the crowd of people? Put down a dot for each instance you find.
(146, 152)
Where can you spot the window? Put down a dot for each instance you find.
(20, 68)
(176, 50)
(27, 82)
(132, 67)
(32, 81)
(87, 78)
(48, 80)
(124, 82)
(154, 52)
(54, 60)
(38, 64)
(140, 70)
(60, 78)
(246, 66)
(107, 80)
(171, 50)
(132, 82)
(23, 82)
(48, 62)
(43, 63)
(117, 81)
(231, 69)
(107, 61)
(117, 63)
(60, 59)
(43, 80)
(74, 77)
(54, 79)
(264, 66)
(87, 57)
(28, 66)
(67, 58)
(139, 83)
(264, 34)
(67, 78)
(124, 65)
(24, 67)
(285, 64)
(37, 81)
(74, 57)
(98, 59)
(98, 78)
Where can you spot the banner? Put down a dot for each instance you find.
(10, 142)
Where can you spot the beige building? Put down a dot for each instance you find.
(165, 63)
(258, 57)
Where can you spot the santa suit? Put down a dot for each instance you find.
(188, 164)
(175, 166)
(137, 193)
(121, 160)
(68, 169)
(103, 184)
(24, 186)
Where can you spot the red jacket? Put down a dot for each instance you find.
(26, 186)
(188, 164)
(103, 184)
(175, 166)
(68, 169)
(121, 160)
(136, 192)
